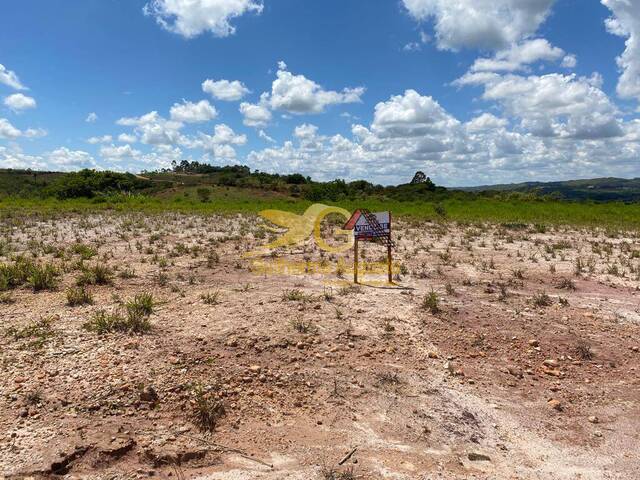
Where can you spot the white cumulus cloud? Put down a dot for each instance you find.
(299, 95)
(483, 24)
(191, 18)
(19, 102)
(226, 90)
(153, 129)
(92, 118)
(189, 112)
(9, 78)
(102, 139)
(625, 22)
(518, 56)
(255, 115)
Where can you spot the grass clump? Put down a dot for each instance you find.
(86, 252)
(134, 318)
(77, 296)
(211, 298)
(431, 303)
(295, 295)
(142, 304)
(102, 322)
(38, 332)
(207, 408)
(542, 300)
(301, 325)
(43, 277)
(25, 271)
(95, 275)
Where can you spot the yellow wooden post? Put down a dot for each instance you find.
(355, 260)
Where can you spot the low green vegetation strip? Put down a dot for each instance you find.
(229, 201)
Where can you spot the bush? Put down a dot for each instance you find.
(89, 183)
(141, 305)
(43, 277)
(96, 275)
(78, 296)
(102, 322)
(204, 194)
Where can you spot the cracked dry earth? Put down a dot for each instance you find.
(522, 364)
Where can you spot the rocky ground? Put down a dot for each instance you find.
(501, 351)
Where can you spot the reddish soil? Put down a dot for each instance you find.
(508, 376)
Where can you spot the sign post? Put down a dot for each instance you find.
(355, 260)
(371, 227)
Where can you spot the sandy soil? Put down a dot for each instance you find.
(527, 369)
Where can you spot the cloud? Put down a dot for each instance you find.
(417, 46)
(569, 61)
(220, 144)
(66, 159)
(411, 115)
(191, 18)
(117, 153)
(9, 132)
(412, 132)
(299, 95)
(552, 105)
(103, 139)
(189, 112)
(485, 122)
(518, 56)
(127, 138)
(154, 129)
(625, 22)
(10, 79)
(13, 157)
(263, 135)
(225, 90)
(19, 102)
(92, 118)
(480, 24)
(34, 133)
(255, 115)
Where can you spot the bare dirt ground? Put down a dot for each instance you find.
(522, 364)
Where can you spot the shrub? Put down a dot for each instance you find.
(430, 303)
(43, 277)
(141, 305)
(204, 194)
(206, 408)
(96, 275)
(102, 322)
(37, 332)
(78, 296)
(89, 183)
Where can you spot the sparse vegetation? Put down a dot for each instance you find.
(431, 303)
(78, 296)
(207, 408)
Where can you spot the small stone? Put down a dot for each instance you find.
(555, 404)
(478, 457)
(593, 419)
(534, 343)
(148, 394)
(255, 368)
(551, 363)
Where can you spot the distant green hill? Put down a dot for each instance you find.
(596, 189)
(195, 176)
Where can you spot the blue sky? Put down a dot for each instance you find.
(470, 91)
